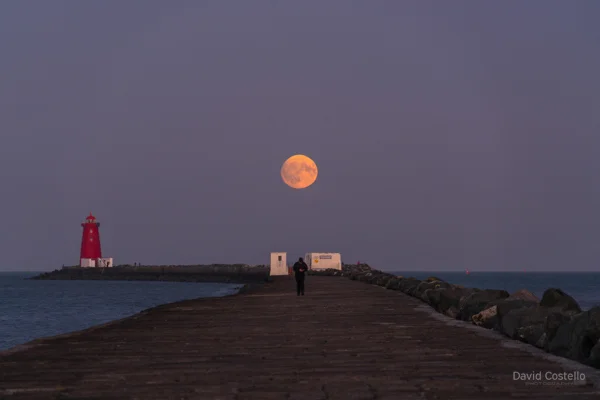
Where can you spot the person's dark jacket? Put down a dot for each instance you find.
(300, 269)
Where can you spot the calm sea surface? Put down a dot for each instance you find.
(32, 309)
(582, 286)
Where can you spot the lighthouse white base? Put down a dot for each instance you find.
(87, 262)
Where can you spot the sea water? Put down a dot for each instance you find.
(582, 286)
(31, 309)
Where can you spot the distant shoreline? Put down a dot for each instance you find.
(215, 273)
(40, 272)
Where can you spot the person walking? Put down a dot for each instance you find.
(300, 269)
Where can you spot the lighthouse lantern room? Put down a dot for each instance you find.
(91, 251)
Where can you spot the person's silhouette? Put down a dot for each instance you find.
(300, 269)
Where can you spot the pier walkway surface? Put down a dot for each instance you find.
(343, 340)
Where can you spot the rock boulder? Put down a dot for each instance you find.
(579, 338)
(450, 299)
(553, 321)
(487, 318)
(408, 285)
(524, 294)
(521, 317)
(504, 306)
(433, 297)
(393, 284)
(383, 279)
(423, 286)
(451, 312)
(556, 298)
(478, 301)
(532, 334)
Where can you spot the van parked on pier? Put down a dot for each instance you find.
(323, 260)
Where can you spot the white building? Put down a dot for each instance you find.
(96, 262)
(279, 264)
(323, 260)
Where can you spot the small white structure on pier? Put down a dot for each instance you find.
(323, 260)
(105, 262)
(96, 262)
(279, 264)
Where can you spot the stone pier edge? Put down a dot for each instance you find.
(354, 272)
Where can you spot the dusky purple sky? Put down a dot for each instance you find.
(448, 135)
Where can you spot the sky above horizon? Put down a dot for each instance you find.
(448, 135)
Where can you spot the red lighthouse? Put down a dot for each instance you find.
(90, 240)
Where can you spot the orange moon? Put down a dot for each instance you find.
(299, 171)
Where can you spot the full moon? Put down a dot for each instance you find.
(299, 171)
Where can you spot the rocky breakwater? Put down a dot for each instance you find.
(218, 273)
(554, 323)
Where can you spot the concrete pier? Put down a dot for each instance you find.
(343, 340)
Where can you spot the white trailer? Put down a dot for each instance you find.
(323, 260)
(279, 264)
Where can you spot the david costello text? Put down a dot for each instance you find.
(550, 377)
